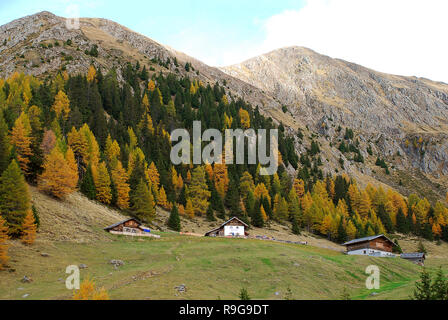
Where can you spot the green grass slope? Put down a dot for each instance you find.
(210, 269)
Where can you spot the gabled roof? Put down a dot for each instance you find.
(121, 222)
(368, 239)
(416, 255)
(225, 223)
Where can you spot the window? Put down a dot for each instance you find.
(129, 230)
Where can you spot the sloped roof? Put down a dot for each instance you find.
(222, 225)
(368, 239)
(415, 255)
(121, 222)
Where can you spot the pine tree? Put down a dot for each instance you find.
(15, 199)
(29, 229)
(210, 214)
(257, 216)
(244, 295)
(143, 206)
(3, 243)
(174, 219)
(295, 226)
(88, 185)
(422, 289)
(439, 287)
(60, 176)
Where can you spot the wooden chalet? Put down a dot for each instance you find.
(130, 227)
(231, 228)
(377, 246)
(417, 258)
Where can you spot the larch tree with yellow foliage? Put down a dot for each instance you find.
(21, 141)
(61, 105)
(88, 291)
(197, 191)
(4, 258)
(244, 118)
(162, 200)
(120, 179)
(221, 179)
(29, 229)
(91, 74)
(102, 183)
(189, 210)
(60, 176)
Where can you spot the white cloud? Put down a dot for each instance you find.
(406, 37)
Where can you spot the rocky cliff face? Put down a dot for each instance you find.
(393, 111)
(404, 120)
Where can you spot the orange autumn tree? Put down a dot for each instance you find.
(91, 74)
(61, 105)
(3, 243)
(21, 140)
(29, 229)
(162, 199)
(101, 179)
(120, 179)
(244, 118)
(88, 291)
(221, 179)
(60, 175)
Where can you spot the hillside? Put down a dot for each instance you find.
(403, 120)
(210, 268)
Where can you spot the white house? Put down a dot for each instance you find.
(375, 246)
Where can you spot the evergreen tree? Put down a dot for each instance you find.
(397, 248)
(174, 219)
(402, 223)
(244, 295)
(439, 287)
(422, 289)
(88, 185)
(342, 234)
(210, 214)
(295, 226)
(257, 217)
(15, 199)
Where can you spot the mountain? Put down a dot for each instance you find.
(28, 45)
(402, 120)
(390, 109)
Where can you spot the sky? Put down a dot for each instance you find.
(405, 37)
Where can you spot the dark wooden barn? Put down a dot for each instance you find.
(129, 226)
(417, 257)
(379, 245)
